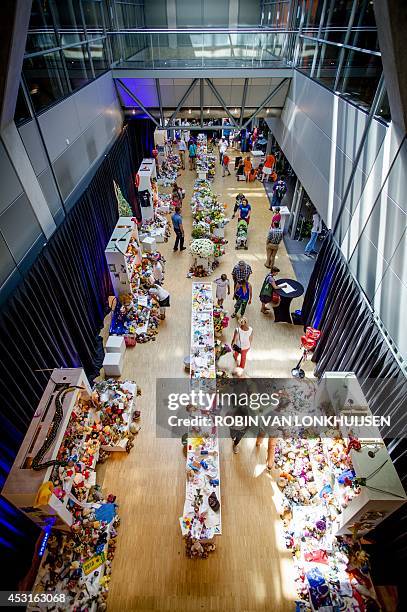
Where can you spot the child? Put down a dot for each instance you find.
(239, 199)
(276, 216)
(222, 285)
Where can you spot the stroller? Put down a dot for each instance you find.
(241, 235)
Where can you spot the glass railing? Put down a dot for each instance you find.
(195, 49)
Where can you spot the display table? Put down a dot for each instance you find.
(290, 289)
(201, 520)
(324, 505)
(54, 482)
(258, 158)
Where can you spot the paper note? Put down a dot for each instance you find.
(286, 288)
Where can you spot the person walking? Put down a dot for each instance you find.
(243, 297)
(222, 287)
(271, 448)
(239, 198)
(268, 166)
(247, 167)
(279, 191)
(178, 229)
(223, 147)
(182, 149)
(241, 343)
(276, 218)
(310, 249)
(274, 237)
(192, 155)
(241, 272)
(244, 211)
(237, 432)
(225, 164)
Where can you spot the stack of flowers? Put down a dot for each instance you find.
(208, 216)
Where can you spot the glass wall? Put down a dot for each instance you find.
(67, 44)
(70, 43)
(337, 46)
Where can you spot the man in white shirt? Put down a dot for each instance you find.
(310, 249)
(182, 147)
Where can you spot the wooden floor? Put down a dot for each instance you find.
(251, 570)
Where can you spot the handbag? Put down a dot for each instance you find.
(275, 298)
(236, 348)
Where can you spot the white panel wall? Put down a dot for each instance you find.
(76, 132)
(320, 135)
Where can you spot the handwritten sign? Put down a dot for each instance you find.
(93, 563)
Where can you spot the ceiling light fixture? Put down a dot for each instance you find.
(267, 110)
(189, 111)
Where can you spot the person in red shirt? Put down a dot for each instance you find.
(225, 164)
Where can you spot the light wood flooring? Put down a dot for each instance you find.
(251, 569)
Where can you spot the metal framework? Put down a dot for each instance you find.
(238, 122)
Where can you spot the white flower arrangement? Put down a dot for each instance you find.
(202, 247)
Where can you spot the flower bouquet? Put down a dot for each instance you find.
(202, 248)
(220, 320)
(221, 349)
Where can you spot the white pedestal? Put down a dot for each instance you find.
(115, 344)
(146, 172)
(113, 364)
(149, 244)
(285, 213)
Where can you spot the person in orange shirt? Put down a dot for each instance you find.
(268, 166)
(247, 167)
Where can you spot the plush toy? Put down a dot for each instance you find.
(43, 494)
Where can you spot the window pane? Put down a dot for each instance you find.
(339, 13)
(327, 64)
(92, 10)
(40, 15)
(67, 13)
(45, 79)
(78, 66)
(98, 52)
(40, 42)
(384, 108)
(307, 50)
(21, 113)
(359, 77)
